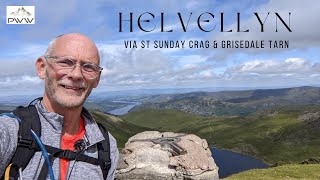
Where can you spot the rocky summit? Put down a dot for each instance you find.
(162, 156)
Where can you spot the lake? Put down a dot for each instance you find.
(231, 163)
(124, 110)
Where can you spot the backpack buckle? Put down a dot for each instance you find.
(25, 142)
(67, 154)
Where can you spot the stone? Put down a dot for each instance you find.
(155, 155)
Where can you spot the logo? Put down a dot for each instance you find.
(20, 15)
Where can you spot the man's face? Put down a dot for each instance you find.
(70, 89)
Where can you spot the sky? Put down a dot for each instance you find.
(154, 68)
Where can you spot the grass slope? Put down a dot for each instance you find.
(292, 171)
(120, 129)
(276, 137)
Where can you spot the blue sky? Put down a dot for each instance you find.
(299, 65)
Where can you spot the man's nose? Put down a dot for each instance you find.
(76, 72)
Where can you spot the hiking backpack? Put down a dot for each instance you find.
(27, 147)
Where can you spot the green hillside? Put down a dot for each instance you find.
(120, 129)
(307, 172)
(281, 136)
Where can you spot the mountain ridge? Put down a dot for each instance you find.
(234, 103)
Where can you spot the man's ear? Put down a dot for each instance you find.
(97, 81)
(40, 67)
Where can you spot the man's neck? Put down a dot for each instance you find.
(71, 123)
(72, 116)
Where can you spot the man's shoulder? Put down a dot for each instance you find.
(9, 117)
(9, 127)
(9, 121)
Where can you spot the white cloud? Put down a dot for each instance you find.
(135, 62)
(290, 65)
(146, 67)
(25, 81)
(288, 72)
(15, 67)
(151, 69)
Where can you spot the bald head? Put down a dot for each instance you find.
(73, 44)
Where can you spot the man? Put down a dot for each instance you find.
(70, 69)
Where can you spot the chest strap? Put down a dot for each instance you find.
(70, 155)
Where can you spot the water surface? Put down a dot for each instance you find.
(231, 163)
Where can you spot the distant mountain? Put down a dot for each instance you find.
(4, 111)
(231, 103)
(6, 108)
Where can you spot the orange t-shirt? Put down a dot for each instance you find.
(67, 142)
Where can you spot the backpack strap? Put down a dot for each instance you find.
(104, 152)
(66, 154)
(29, 119)
(103, 160)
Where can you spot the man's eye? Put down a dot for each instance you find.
(90, 67)
(65, 62)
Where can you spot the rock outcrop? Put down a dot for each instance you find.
(164, 156)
